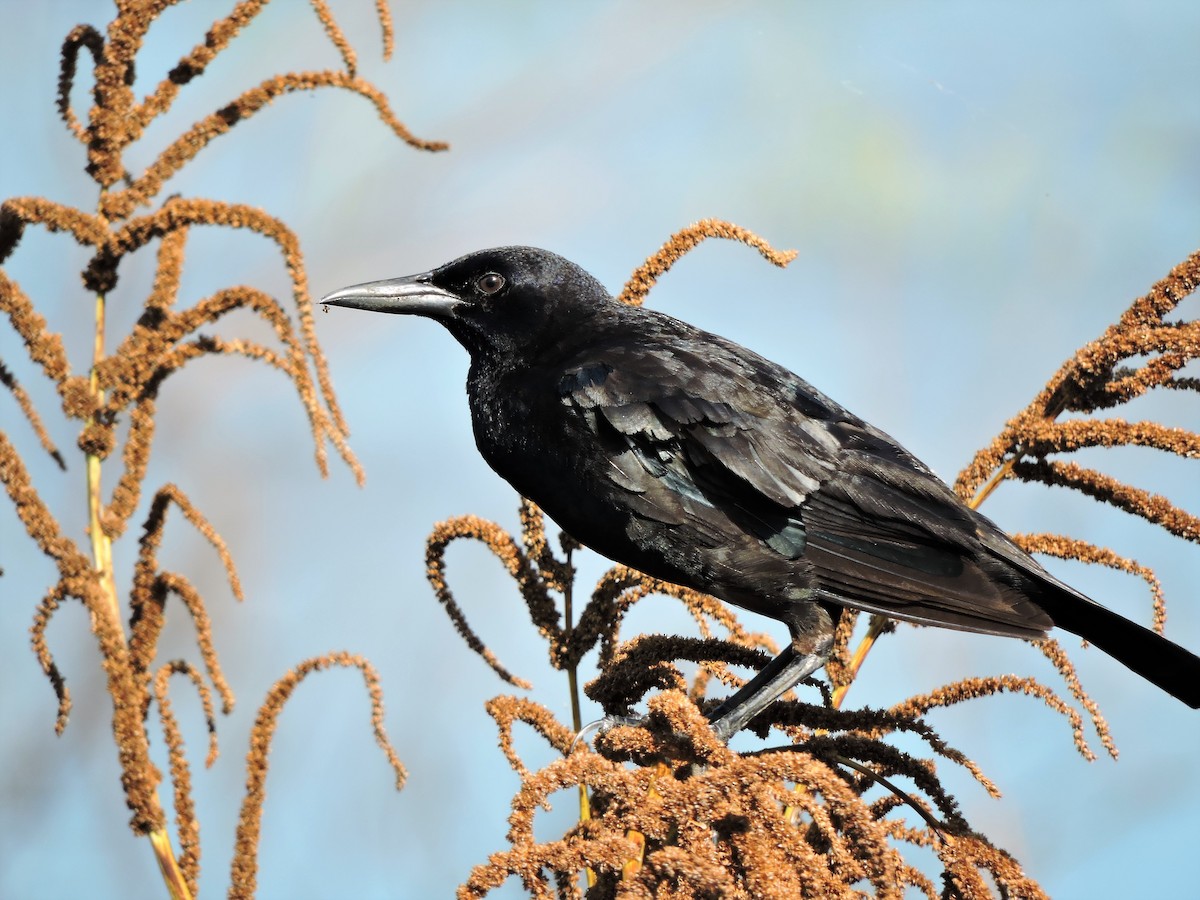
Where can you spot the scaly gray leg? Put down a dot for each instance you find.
(776, 678)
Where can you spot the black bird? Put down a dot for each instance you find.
(692, 459)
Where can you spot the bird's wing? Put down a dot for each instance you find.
(678, 446)
(689, 432)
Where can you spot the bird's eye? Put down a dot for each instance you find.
(491, 283)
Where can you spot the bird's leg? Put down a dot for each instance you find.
(776, 678)
(812, 626)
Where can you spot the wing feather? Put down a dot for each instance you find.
(724, 437)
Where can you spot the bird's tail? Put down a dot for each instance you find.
(1167, 665)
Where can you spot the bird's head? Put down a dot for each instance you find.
(495, 302)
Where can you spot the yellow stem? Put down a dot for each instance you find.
(102, 560)
(585, 808)
(993, 483)
(633, 865)
(879, 625)
(171, 874)
(101, 543)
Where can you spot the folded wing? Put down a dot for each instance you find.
(730, 442)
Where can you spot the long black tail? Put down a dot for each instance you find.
(1167, 665)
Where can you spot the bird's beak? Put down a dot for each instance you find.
(412, 294)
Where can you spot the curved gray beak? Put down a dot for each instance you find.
(412, 294)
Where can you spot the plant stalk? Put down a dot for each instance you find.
(585, 806)
(101, 542)
(102, 561)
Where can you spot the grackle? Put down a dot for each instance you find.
(692, 459)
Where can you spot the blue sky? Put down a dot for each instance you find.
(974, 191)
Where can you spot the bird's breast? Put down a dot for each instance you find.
(575, 468)
(547, 452)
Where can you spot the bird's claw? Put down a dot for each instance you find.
(600, 726)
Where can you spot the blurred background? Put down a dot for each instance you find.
(975, 190)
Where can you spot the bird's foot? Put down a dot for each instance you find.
(600, 726)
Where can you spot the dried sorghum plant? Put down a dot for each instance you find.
(113, 397)
(690, 818)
